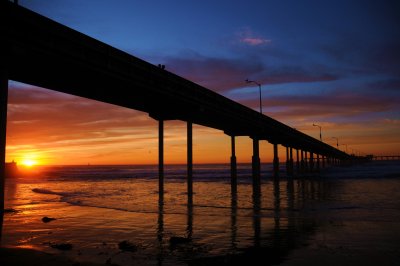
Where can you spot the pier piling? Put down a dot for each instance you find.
(256, 168)
(3, 133)
(291, 162)
(161, 161)
(287, 161)
(276, 162)
(190, 162)
(311, 164)
(3, 128)
(233, 168)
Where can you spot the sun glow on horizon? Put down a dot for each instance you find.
(29, 162)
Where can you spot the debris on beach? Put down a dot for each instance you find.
(127, 246)
(177, 240)
(47, 219)
(10, 210)
(62, 246)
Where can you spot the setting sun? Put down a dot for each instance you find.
(29, 162)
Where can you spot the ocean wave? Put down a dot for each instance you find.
(50, 192)
(85, 200)
(47, 191)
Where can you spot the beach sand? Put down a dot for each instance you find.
(334, 222)
(341, 256)
(22, 256)
(307, 256)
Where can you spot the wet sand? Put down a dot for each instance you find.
(20, 256)
(307, 256)
(311, 222)
(341, 256)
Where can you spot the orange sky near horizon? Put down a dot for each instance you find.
(52, 128)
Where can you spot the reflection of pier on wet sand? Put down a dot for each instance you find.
(276, 232)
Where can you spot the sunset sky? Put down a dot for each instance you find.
(333, 63)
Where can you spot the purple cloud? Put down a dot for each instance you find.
(223, 74)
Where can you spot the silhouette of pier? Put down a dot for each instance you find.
(41, 52)
(386, 158)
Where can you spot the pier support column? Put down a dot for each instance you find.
(306, 163)
(161, 161)
(302, 165)
(323, 161)
(276, 161)
(3, 131)
(233, 168)
(287, 162)
(291, 161)
(190, 162)
(311, 163)
(297, 162)
(256, 192)
(256, 168)
(318, 163)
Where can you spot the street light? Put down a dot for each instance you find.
(345, 145)
(259, 87)
(337, 141)
(320, 135)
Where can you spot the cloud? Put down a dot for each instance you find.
(385, 85)
(40, 115)
(255, 41)
(224, 74)
(336, 104)
(391, 121)
(247, 36)
(379, 57)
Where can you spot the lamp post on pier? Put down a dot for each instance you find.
(345, 145)
(259, 88)
(337, 142)
(320, 130)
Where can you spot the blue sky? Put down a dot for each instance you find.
(336, 63)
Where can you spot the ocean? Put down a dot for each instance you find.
(98, 207)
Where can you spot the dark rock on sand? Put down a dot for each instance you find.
(108, 262)
(177, 240)
(47, 219)
(29, 257)
(10, 211)
(62, 246)
(127, 246)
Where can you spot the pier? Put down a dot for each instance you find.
(386, 158)
(41, 52)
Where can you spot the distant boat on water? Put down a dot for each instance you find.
(11, 169)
